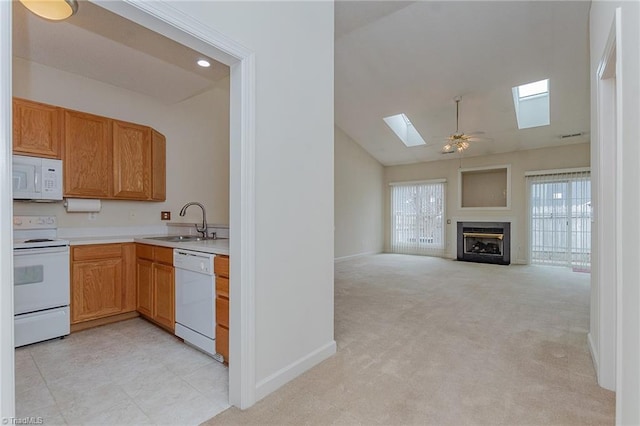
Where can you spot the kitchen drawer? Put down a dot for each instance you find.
(163, 255)
(221, 265)
(222, 287)
(96, 251)
(222, 342)
(144, 251)
(222, 312)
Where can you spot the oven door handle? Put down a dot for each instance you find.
(41, 250)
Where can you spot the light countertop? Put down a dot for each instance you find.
(218, 246)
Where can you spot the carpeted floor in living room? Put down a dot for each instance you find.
(424, 340)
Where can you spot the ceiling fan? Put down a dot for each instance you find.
(459, 141)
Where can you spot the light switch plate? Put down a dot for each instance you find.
(165, 215)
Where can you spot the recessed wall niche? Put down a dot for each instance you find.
(485, 188)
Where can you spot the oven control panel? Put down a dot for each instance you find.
(34, 222)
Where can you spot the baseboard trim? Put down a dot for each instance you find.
(594, 356)
(353, 256)
(271, 383)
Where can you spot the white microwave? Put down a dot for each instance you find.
(37, 178)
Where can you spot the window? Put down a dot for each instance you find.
(404, 129)
(417, 218)
(531, 102)
(560, 218)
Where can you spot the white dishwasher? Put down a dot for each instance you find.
(195, 299)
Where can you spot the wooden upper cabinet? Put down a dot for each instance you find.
(131, 160)
(158, 166)
(87, 156)
(37, 129)
(102, 157)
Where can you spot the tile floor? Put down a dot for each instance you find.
(125, 373)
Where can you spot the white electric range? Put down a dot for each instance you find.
(41, 280)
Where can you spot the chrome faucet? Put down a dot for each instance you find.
(203, 229)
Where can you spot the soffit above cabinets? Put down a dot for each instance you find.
(103, 46)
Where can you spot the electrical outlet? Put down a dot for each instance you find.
(165, 215)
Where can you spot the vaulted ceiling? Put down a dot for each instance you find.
(415, 57)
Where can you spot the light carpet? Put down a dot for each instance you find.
(423, 340)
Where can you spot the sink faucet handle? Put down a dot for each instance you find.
(214, 235)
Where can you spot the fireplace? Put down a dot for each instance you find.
(484, 242)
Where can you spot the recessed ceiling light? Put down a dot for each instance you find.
(204, 63)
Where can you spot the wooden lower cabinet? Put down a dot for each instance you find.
(164, 295)
(221, 269)
(102, 281)
(144, 286)
(155, 282)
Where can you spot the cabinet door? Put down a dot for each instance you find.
(221, 265)
(87, 155)
(144, 286)
(222, 342)
(158, 167)
(222, 311)
(129, 288)
(96, 289)
(37, 129)
(132, 161)
(164, 295)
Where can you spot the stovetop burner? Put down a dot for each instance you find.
(38, 240)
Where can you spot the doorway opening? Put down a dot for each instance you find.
(190, 32)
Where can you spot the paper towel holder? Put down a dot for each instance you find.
(81, 205)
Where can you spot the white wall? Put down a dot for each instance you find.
(293, 46)
(538, 159)
(197, 132)
(7, 376)
(627, 328)
(358, 199)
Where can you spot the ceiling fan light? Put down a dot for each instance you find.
(55, 10)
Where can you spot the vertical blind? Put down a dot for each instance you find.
(417, 218)
(560, 218)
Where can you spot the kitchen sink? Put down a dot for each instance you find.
(184, 238)
(178, 238)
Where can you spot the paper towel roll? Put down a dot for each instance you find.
(74, 205)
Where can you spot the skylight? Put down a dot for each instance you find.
(532, 89)
(531, 102)
(404, 129)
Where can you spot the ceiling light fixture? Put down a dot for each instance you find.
(204, 63)
(459, 141)
(55, 10)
